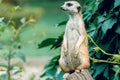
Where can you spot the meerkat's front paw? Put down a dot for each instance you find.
(64, 49)
(77, 71)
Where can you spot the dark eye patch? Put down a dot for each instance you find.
(69, 4)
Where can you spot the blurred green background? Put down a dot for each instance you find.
(45, 26)
(47, 14)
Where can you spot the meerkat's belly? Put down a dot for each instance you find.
(71, 58)
(72, 39)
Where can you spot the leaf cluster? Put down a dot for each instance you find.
(102, 23)
(10, 46)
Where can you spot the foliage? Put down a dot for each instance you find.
(10, 46)
(23, 11)
(55, 42)
(102, 19)
(52, 70)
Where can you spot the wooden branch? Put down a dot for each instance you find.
(83, 75)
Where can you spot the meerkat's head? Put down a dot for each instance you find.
(71, 7)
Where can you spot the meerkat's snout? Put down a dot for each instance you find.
(71, 7)
(62, 8)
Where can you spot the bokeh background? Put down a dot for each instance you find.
(47, 14)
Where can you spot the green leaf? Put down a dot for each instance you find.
(1, 19)
(2, 29)
(17, 72)
(5, 38)
(12, 10)
(17, 7)
(47, 42)
(58, 42)
(23, 20)
(9, 56)
(101, 18)
(53, 62)
(13, 23)
(4, 77)
(21, 56)
(106, 73)
(43, 75)
(61, 23)
(60, 75)
(91, 30)
(116, 78)
(51, 67)
(95, 7)
(99, 69)
(108, 24)
(3, 65)
(118, 29)
(98, 55)
(87, 16)
(48, 79)
(2, 26)
(51, 72)
(116, 3)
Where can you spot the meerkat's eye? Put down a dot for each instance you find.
(79, 8)
(69, 4)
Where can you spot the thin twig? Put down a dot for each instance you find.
(99, 61)
(10, 19)
(20, 29)
(9, 65)
(98, 46)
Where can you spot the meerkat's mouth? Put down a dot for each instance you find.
(63, 9)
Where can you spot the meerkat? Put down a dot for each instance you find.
(74, 52)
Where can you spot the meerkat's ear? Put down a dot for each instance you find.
(79, 8)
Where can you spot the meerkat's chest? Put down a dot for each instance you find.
(72, 31)
(72, 34)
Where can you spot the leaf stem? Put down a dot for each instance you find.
(99, 61)
(98, 46)
(19, 30)
(9, 20)
(9, 65)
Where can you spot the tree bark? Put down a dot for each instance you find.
(83, 75)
